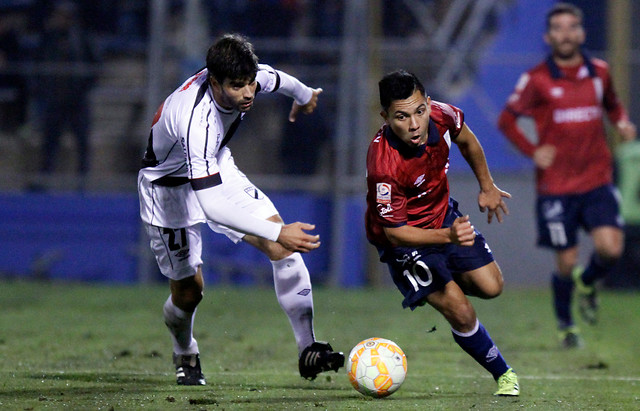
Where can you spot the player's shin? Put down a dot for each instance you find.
(180, 325)
(562, 290)
(293, 289)
(478, 344)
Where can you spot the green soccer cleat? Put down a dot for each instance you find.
(508, 384)
(570, 337)
(587, 297)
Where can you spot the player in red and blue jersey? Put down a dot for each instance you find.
(566, 96)
(434, 254)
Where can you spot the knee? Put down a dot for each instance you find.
(186, 296)
(463, 318)
(492, 289)
(610, 253)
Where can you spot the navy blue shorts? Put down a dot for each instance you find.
(560, 217)
(417, 272)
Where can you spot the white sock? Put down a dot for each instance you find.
(293, 289)
(180, 325)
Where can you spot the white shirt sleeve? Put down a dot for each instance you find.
(294, 88)
(217, 207)
(272, 80)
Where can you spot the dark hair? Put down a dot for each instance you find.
(398, 85)
(232, 57)
(563, 8)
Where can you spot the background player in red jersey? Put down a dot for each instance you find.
(566, 96)
(434, 254)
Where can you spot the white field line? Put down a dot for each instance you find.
(54, 373)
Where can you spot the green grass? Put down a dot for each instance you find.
(71, 346)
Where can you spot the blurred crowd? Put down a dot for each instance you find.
(52, 53)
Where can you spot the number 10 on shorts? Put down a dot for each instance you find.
(420, 275)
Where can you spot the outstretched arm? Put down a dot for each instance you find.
(217, 207)
(490, 198)
(461, 232)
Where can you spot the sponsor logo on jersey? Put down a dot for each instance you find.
(383, 210)
(383, 193)
(577, 115)
(419, 180)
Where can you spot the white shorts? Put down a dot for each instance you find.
(178, 251)
(174, 213)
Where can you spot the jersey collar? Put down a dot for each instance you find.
(433, 137)
(556, 73)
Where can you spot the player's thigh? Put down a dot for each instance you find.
(483, 282)
(602, 218)
(178, 251)
(608, 241)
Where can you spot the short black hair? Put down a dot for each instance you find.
(564, 8)
(232, 57)
(398, 85)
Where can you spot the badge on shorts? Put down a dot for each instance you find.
(383, 193)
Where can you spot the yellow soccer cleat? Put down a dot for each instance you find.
(508, 384)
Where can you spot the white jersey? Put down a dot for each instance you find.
(190, 127)
(187, 145)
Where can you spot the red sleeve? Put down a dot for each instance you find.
(521, 103)
(507, 123)
(610, 101)
(450, 116)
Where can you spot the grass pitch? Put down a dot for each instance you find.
(70, 346)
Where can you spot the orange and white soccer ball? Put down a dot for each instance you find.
(377, 367)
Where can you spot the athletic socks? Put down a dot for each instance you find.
(180, 325)
(562, 290)
(598, 268)
(478, 344)
(293, 289)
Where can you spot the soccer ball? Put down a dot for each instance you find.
(376, 367)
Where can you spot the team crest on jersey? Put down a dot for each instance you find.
(383, 193)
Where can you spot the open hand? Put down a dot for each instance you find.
(294, 238)
(305, 108)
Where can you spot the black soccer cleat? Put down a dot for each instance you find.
(188, 371)
(317, 358)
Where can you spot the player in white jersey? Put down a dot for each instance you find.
(189, 177)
